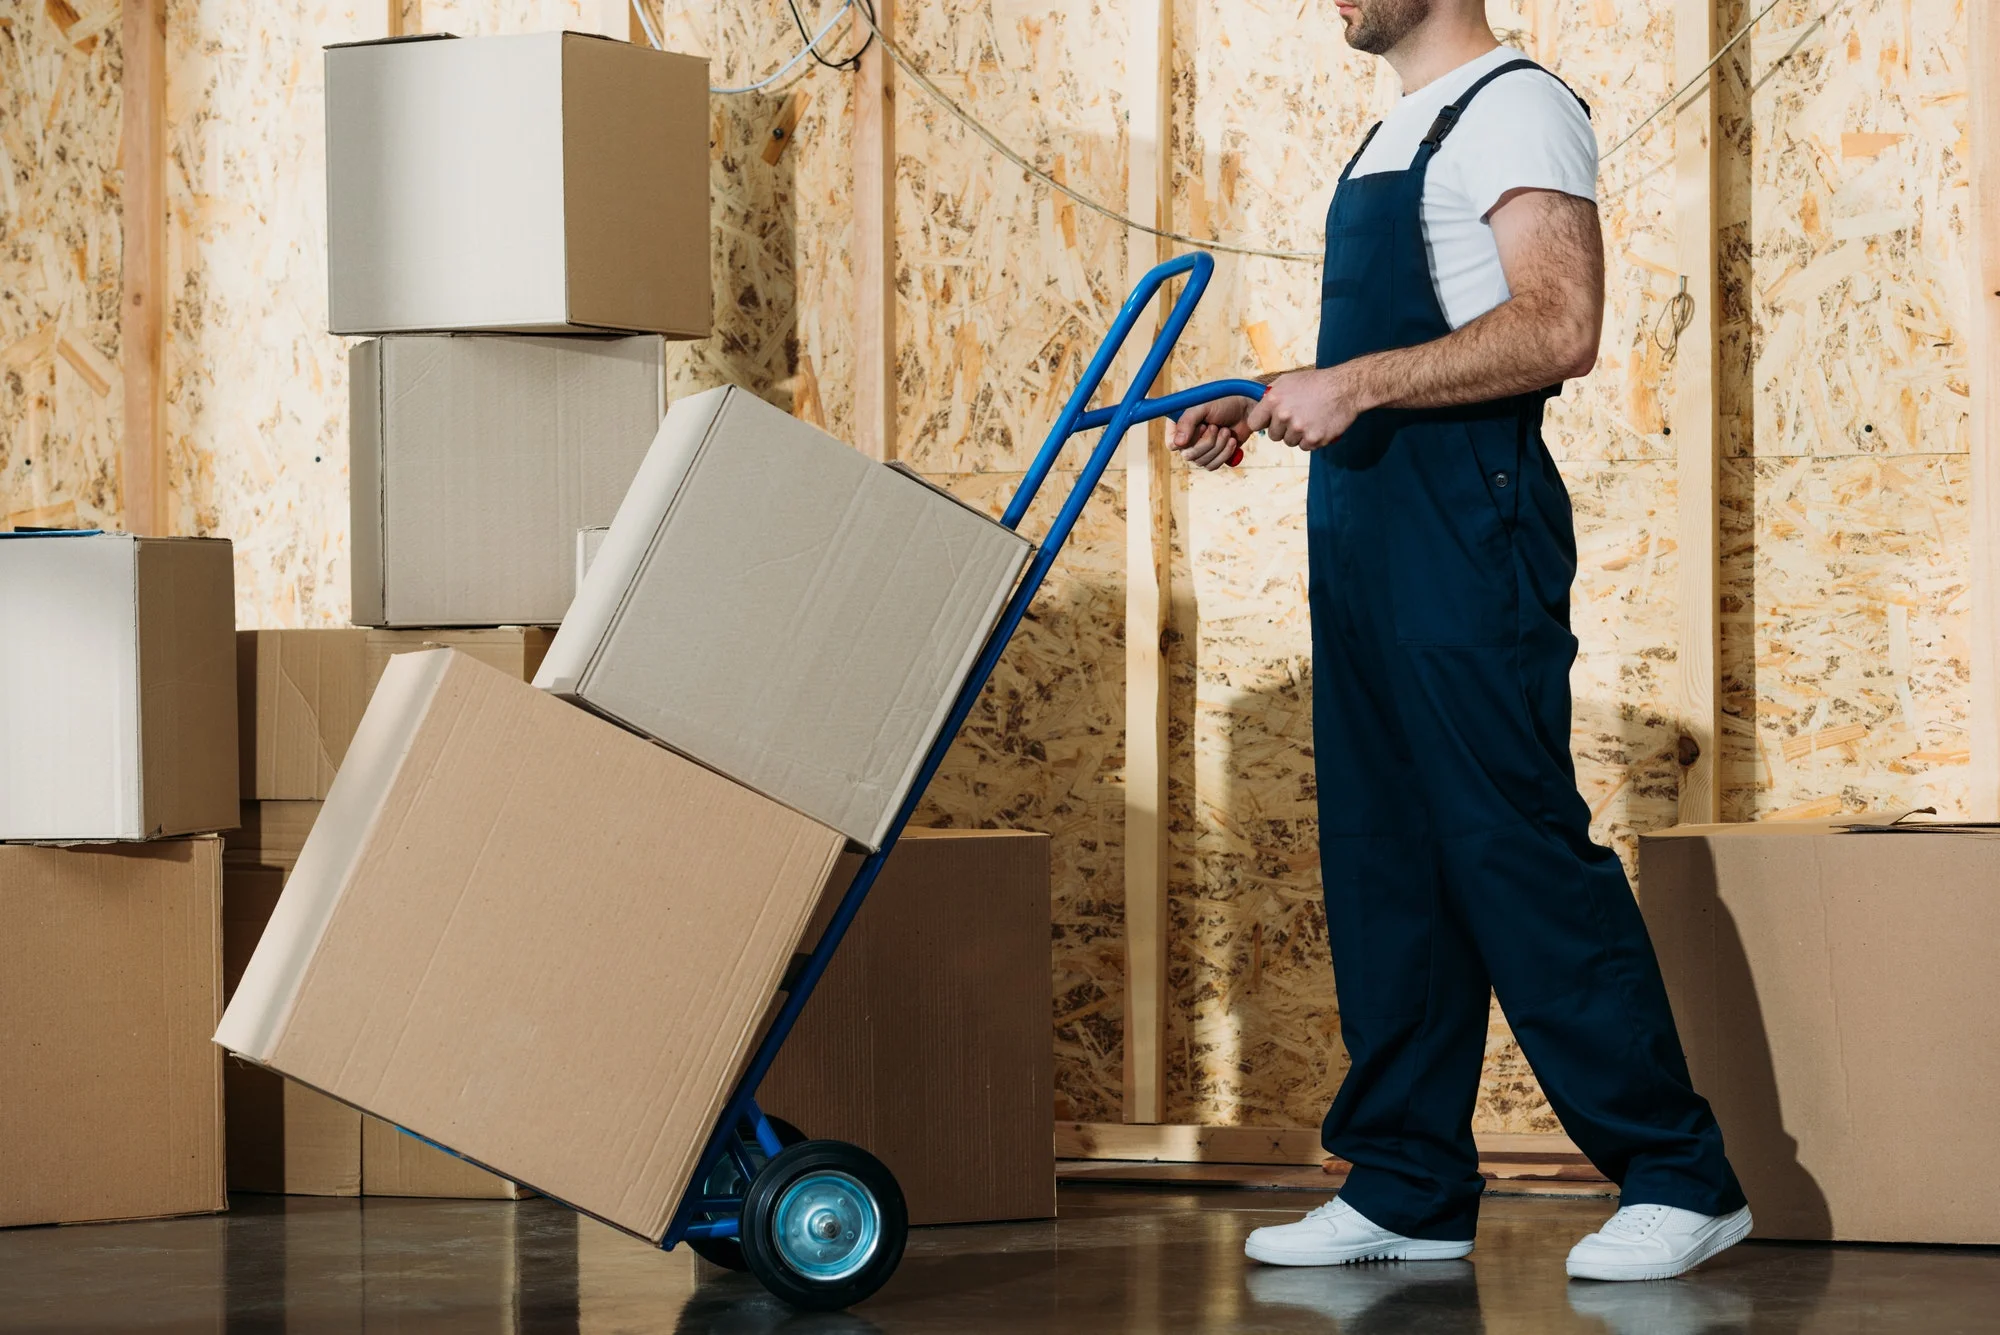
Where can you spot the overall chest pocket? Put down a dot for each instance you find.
(1357, 292)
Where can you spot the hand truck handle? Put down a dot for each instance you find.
(1134, 406)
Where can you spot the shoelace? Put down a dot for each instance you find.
(1636, 1221)
(1326, 1211)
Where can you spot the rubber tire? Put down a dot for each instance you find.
(728, 1252)
(760, 1209)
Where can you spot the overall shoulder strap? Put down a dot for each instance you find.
(1447, 120)
(1366, 140)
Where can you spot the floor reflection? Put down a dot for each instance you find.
(1122, 1261)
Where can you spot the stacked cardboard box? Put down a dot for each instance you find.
(543, 936)
(516, 223)
(117, 734)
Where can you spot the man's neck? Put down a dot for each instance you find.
(1435, 49)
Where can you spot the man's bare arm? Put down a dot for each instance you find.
(1552, 252)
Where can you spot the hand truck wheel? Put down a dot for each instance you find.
(824, 1225)
(724, 1180)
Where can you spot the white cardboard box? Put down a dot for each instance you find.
(541, 182)
(785, 611)
(474, 461)
(117, 687)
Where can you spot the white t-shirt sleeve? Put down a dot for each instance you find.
(1524, 131)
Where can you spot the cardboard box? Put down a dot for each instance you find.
(550, 181)
(785, 611)
(395, 1164)
(651, 904)
(110, 984)
(1838, 1003)
(299, 697)
(927, 1042)
(117, 686)
(473, 462)
(515, 650)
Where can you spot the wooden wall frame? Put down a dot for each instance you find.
(1984, 72)
(142, 451)
(1148, 537)
(1696, 418)
(875, 246)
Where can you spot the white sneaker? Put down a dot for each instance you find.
(1655, 1242)
(1339, 1234)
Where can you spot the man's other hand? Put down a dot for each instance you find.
(1309, 409)
(1208, 435)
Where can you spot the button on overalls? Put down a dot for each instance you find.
(1455, 849)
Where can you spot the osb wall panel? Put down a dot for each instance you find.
(256, 389)
(1849, 553)
(779, 258)
(60, 243)
(1004, 288)
(1264, 124)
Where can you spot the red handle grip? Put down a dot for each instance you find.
(1237, 457)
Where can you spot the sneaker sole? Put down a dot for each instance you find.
(1721, 1241)
(1402, 1249)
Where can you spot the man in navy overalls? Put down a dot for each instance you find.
(1463, 284)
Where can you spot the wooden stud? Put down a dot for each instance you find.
(1148, 529)
(875, 246)
(1696, 419)
(1984, 71)
(142, 453)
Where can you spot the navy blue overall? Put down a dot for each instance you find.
(1455, 849)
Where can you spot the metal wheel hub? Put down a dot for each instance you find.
(827, 1226)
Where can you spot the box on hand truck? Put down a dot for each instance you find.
(655, 906)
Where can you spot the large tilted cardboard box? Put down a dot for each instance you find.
(549, 181)
(647, 906)
(927, 1041)
(1839, 1005)
(117, 687)
(110, 985)
(784, 610)
(475, 460)
(299, 697)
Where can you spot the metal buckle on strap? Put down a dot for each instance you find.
(1447, 121)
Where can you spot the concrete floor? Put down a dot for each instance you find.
(1119, 1260)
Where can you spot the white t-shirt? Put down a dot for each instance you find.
(1523, 132)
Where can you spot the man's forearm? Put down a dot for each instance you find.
(1515, 348)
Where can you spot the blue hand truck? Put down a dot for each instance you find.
(821, 1223)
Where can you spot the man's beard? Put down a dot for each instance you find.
(1382, 24)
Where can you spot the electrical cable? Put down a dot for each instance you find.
(1685, 88)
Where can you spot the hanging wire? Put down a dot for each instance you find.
(993, 141)
(1680, 312)
(852, 62)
